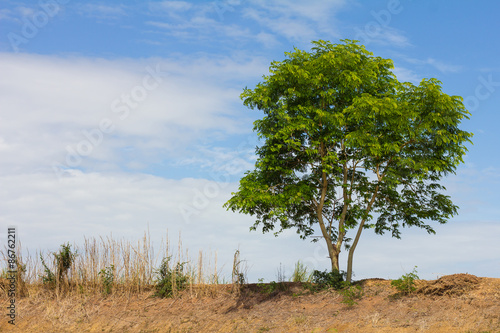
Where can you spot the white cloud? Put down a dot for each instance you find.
(406, 75)
(49, 103)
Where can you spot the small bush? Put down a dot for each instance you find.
(333, 279)
(350, 294)
(48, 278)
(271, 286)
(406, 283)
(64, 259)
(170, 280)
(107, 278)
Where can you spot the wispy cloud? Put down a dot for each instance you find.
(6, 14)
(57, 100)
(17, 13)
(101, 11)
(268, 21)
(406, 75)
(296, 20)
(381, 35)
(169, 6)
(437, 64)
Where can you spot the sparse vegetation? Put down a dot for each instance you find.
(406, 283)
(238, 277)
(105, 265)
(269, 288)
(107, 278)
(350, 294)
(117, 269)
(280, 274)
(301, 273)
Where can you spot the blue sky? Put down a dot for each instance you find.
(117, 116)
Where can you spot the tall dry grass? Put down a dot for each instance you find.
(108, 265)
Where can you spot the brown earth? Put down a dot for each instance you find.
(454, 303)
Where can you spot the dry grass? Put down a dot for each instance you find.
(79, 300)
(294, 309)
(107, 265)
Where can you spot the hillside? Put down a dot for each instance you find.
(454, 303)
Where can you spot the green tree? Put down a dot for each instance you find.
(344, 141)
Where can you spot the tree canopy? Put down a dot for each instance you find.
(346, 146)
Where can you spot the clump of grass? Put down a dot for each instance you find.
(301, 273)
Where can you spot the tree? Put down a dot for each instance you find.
(349, 147)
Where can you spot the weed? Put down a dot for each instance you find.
(48, 278)
(300, 273)
(280, 274)
(238, 277)
(63, 259)
(266, 288)
(300, 320)
(270, 287)
(170, 280)
(350, 294)
(406, 283)
(107, 279)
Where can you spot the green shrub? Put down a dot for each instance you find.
(64, 259)
(406, 283)
(269, 288)
(350, 294)
(107, 278)
(48, 278)
(333, 279)
(170, 280)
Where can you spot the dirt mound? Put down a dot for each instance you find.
(456, 284)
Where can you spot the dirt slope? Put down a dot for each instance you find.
(454, 303)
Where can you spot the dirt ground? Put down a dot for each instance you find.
(453, 303)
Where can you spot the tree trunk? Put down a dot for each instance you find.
(334, 258)
(351, 252)
(358, 234)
